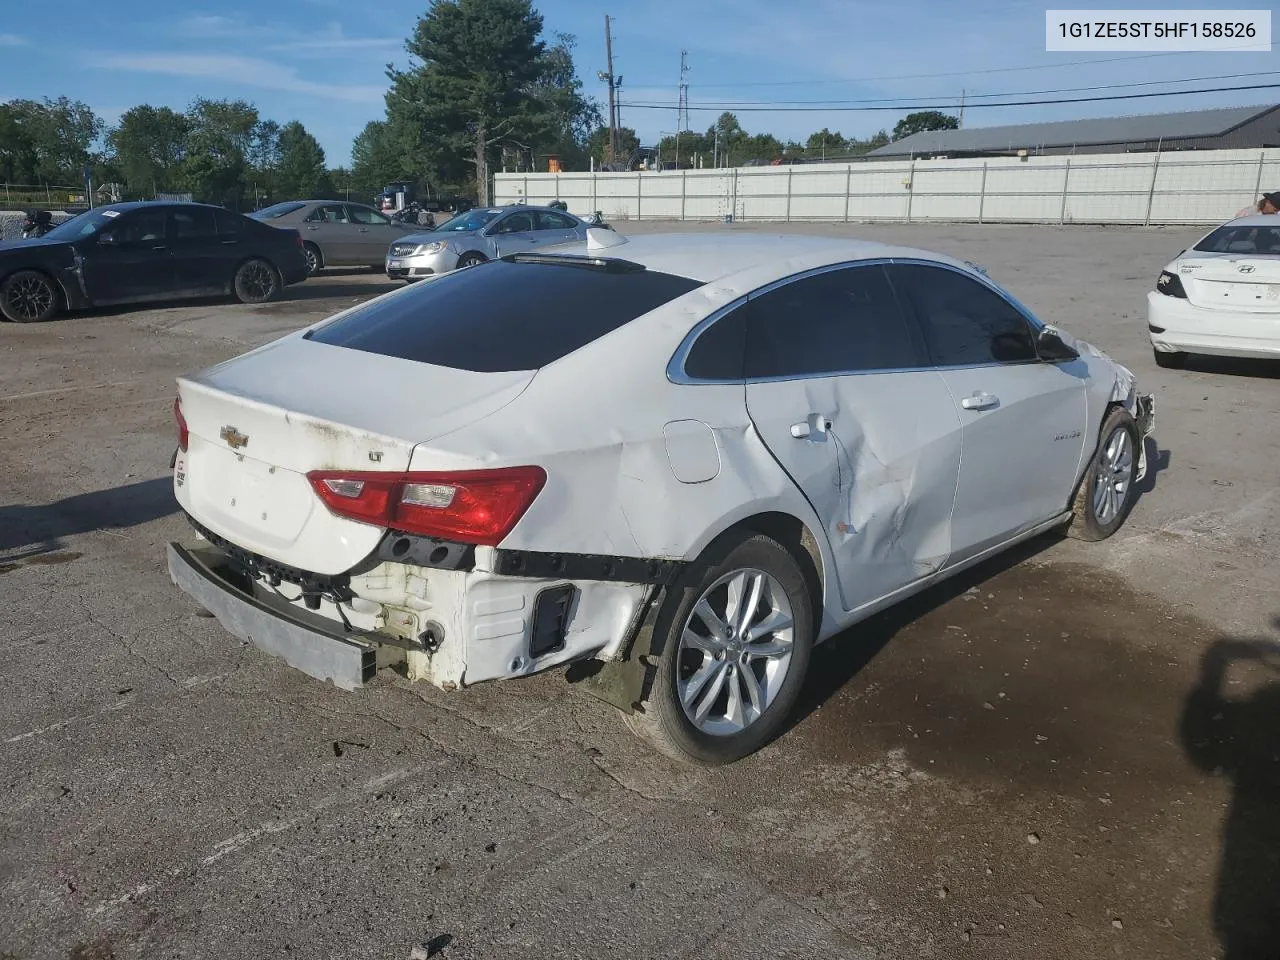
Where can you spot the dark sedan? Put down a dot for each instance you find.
(135, 252)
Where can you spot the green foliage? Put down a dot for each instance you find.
(924, 120)
(148, 148)
(46, 141)
(300, 168)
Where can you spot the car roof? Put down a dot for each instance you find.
(127, 205)
(712, 256)
(1255, 220)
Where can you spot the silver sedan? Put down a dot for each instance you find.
(479, 235)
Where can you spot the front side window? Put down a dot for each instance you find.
(367, 216)
(138, 226)
(515, 223)
(329, 213)
(965, 323)
(841, 321)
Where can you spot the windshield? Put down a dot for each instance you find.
(82, 224)
(276, 210)
(1241, 239)
(469, 221)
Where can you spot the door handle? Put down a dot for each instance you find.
(313, 227)
(364, 229)
(980, 401)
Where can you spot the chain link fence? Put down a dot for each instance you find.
(1199, 187)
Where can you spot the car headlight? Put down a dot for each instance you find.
(434, 246)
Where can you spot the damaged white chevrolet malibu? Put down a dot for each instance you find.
(679, 461)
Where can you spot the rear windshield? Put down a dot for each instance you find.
(1241, 239)
(277, 210)
(503, 316)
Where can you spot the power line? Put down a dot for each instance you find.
(952, 106)
(966, 96)
(951, 73)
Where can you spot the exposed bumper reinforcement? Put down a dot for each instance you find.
(348, 661)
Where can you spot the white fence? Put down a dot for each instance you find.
(1206, 186)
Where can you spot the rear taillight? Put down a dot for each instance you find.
(473, 506)
(183, 434)
(1170, 285)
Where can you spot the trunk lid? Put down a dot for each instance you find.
(1232, 282)
(259, 423)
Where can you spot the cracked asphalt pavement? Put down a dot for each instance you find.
(1071, 751)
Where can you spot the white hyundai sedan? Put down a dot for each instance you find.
(1221, 297)
(679, 461)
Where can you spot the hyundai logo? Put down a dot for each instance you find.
(1246, 268)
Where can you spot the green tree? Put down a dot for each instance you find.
(48, 141)
(148, 147)
(18, 161)
(559, 118)
(479, 61)
(219, 147)
(825, 142)
(300, 171)
(924, 120)
(377, 156)
(598, 143)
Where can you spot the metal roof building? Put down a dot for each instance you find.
(1226, 128)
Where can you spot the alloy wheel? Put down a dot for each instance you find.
(1113, 476)
(29, 297)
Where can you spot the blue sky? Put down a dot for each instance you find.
(322, 61)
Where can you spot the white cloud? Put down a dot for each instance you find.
(249, 71)
(334, 38)
(12, 40)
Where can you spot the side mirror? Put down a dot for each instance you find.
(108, 240)
(1051, 347)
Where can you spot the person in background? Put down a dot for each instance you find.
(1267, 203)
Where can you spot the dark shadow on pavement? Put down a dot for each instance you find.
(1233, 366)
(1238, 737)
(1157, 462)
(840, 659)
(30, 531)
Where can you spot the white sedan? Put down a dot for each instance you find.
(680, 461)
(1220, 297)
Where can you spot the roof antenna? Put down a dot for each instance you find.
(599, 238)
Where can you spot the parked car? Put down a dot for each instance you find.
(690, 458)
(134, 252)
(335, 233)
(479, 235)
(1220, 297)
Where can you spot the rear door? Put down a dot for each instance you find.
(374, 233)
(329, 226)
(202, 263)
(514, 233)
(839, 390)
(1023, 419)
(130, 259)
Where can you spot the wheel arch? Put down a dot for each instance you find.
(317, 248)
(60, 288)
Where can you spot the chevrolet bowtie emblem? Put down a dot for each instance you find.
(235, 439)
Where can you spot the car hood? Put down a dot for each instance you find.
(1124, 386)
(431, 236)
(8, 246)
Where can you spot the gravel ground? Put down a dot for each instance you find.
(1031, 760)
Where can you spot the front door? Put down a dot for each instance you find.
(374, 233)
(514, 233)
(838, 388)
(129, 259)
(1023, 419)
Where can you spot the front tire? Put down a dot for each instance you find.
(29, 296)
(1169, 361)
(735, 638)
(256, 281)
(471, 259)
(1108, 489)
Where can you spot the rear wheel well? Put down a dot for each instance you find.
(799, 541)
(316, 247)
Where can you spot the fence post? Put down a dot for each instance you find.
(911, 187)
(594, 175)
(982, 191)
(733, 195)
(1066, 175)
(526, 188)
(790, 170)
(639, 192)
(848, 189)
(1151, 193)
(557, 186)
(684, 174)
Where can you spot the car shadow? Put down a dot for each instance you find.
(1236, 737)
(28, 531)
(1233, 366)
(1157, 463)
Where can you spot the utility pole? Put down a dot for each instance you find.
(614, 82)
(682, 102)
(960, 119)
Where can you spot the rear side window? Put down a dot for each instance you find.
(845, 320)
(964, 322)
(1241, 240)
(194, 223)
(228, 223)
(503, 315)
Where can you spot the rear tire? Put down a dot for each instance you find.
(1170, 361)
(315, 260)
(1108, 489)
(29, 296)
(471, 259)
(723, 690)
(256, 281)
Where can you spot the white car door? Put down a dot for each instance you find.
(556, 228)
(838, 389)
(514, 233)
(1023, 419)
